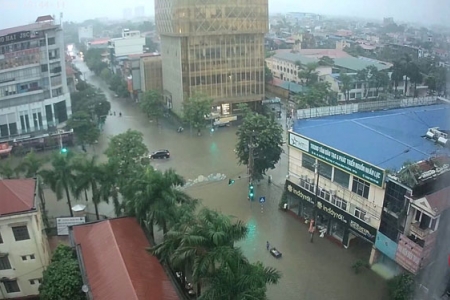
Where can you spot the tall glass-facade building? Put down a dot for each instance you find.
(212, 47)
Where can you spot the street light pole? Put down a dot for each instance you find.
(313, 221)
(250, 157)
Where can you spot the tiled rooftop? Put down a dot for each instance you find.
(359, 63)
(16, 195)
(117, 263)
(385, 139)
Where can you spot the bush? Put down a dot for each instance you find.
(401, 287)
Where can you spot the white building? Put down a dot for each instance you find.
(24, 249)
(85, 33)
(33, 86)
(130, 43)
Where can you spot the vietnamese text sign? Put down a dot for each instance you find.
(62, 224)
(341, 160)
(15, 37)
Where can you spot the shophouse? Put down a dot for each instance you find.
(338, 166)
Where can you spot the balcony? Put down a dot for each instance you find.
(420, 232)
(19, 59)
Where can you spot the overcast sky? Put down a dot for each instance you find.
(18, 12)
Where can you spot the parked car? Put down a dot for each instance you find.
(160, 154)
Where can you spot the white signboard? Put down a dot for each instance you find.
(62, 224)
(299, 142)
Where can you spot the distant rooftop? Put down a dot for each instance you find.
(17, 196)
(29, 27)
(294, 57)
(317, 53)
(386, 139)
(359, 63)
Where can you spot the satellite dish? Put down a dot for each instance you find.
(85, 288)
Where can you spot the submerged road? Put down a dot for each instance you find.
(311, 271)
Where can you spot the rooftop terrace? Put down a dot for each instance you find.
(386, 139)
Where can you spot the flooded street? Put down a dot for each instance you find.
(311, 271)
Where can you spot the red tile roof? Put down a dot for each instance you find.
(439, 201)
(117, 264)
(16, 195)
(99, 41)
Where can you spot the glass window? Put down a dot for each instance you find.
(21, 233)
(359, 213)
(11, 286)
(341, 178)
(4, 263)
(308, 162)
(1, 239)
(325, 170)
(361, 187)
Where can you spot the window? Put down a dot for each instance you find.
(360, 214)
(44, 68)
(4, 263)
(51, 41)
(35, 281)
(11, 286)
(24, 257)
(21, 233)
(308, 162)
(324, 195)
(339, 202)
(325, 170)
(32, 256)
(341, 178)
(1, 239)
(361, 187)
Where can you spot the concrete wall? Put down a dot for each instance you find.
(129, 46)
(37, 245)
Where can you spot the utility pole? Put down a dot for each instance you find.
(312, 228)
(250, 158)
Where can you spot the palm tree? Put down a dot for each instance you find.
(309, 73)
(397, 75)
(239, 279)
(108, 186)
(406, 69)
(87, 175)
(30, 165)
(346, 86)
(61, 178)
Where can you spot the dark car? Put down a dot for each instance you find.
(160, 154)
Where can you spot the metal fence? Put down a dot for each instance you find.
(325, 111)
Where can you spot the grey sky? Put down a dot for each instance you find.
(17, 12)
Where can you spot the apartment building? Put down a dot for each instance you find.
(131, 43)
(284, 66)
(214, 48)
(24, 250)
(338, 166)
(34, 96)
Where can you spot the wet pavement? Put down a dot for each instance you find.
(311, 271)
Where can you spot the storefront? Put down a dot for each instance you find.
(331, 220)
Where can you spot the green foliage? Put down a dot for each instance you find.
(267, 143)
(317, 95)
(84, 127)
(346, 84)
(7, 171)
(308, 72)
(125, 151)
(105, 74)
(30, 165)
(152, 104)
(93, 59)
(195, 109)
(60, 178)
(62, 279)
(119, 86)
(92, 101)
(326, 61)
(401, 287)
(150, 44)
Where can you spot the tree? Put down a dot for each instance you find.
(267, 73)
(125, 152)
(415, 76)
(62, 279)
(326, 61)
(105, 74)
(153, 105)
(266, 136)
(108, 186)
(315, 96)
(87, 177)
(119, 86)
(239, 279)
(195, 109)
(381, 79)
(397, 75)
(6, 170)
(309, 73)
(30, 165)
(85, 129)
(401, 287)
(61, 178)
(346, 85)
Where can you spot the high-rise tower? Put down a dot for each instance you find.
(214, 48)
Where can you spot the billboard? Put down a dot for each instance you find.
(62, 224)
(343, 161)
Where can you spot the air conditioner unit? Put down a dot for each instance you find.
(442, 140)
(367, 218)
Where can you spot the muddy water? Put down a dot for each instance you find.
(321, 270)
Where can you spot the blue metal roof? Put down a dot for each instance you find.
(383, 138)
